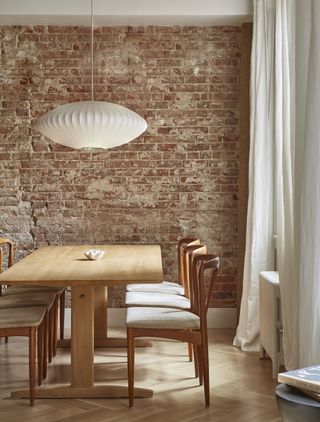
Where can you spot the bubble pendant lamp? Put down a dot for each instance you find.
(91, 124)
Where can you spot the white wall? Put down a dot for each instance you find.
(125, 11)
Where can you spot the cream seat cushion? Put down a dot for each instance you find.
(165, 300)
(21, 317)
(148, 317)
(164, 287)
(13, 290)
(26, 300)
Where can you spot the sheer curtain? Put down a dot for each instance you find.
(284, 139)
(309, 305)
(259, 254)
(284, 174)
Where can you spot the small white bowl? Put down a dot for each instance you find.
(93, 254)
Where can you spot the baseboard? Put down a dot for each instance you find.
(217, 317)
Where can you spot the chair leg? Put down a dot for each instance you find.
(62, 313)
(200, 364)
(40, 353)
(45, 345)
(131, 351)
(32, 363)
(190, 351)
(195, 361)
(55, 328)
(205, 365)
(6, 339)
(50, 335)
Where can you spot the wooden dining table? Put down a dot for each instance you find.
(89, 280)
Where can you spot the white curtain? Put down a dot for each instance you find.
(259, 254)
(285, 178)
(284, 139)
(310, 206)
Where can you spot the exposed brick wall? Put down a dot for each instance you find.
(180, 178)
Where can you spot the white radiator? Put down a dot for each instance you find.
(270, 319)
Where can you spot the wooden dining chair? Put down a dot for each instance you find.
(30, 296)
(13, 290)
(167, 300)
(168, 287)
(59, 291)
(188, 326)
(29, 300)
(7, 243)
(27, 322)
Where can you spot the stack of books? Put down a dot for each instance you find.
(306, 380)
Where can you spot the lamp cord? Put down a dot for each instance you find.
(92, 91)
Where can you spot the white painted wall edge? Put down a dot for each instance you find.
(126, 7)
(126, 12)
(127, 20)
(217, 317)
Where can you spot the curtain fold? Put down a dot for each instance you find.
(284, 175)
(259, 253)
(284, 139)
(309, 316)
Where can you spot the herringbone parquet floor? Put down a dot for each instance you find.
(241, 386)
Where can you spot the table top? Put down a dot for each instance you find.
(68, 266)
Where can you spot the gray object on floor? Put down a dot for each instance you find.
(294, 406)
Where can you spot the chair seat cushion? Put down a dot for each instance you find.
(26, 300)
(166, 318)
(21, 317)
(164, 300)
(164, 287)
(13, 290)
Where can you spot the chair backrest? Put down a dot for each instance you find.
(185, 241)
(190, 249)
(202, 285)
(6, 243)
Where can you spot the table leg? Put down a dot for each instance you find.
(82, 357)
(100, 312)
(101, 338)
(82, 331)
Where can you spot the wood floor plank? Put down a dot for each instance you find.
(241, 388)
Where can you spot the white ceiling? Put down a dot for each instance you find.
(125, 12)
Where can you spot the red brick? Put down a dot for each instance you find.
(180, 177)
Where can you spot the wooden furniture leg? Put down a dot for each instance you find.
(45, 345)
(190, 352)
(50, 335)
(32, 363)
(100, 312)
(82, 357)
(101, 338)
(55, 326)
(82, 329)
(131, 352)
(40, 353)
(62, 301)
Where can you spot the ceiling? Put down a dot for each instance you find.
(125, 12)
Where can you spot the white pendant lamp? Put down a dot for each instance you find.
(91, 124)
